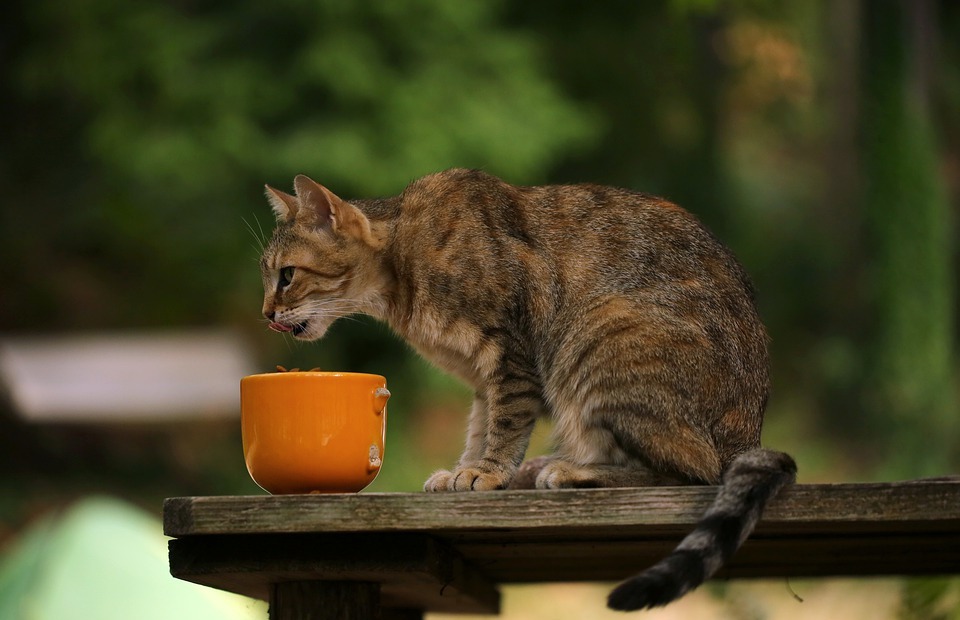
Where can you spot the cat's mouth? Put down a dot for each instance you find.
(296, 329)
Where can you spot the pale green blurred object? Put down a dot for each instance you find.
(103, 559)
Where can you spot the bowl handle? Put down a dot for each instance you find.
(380, 397)
(373, 459)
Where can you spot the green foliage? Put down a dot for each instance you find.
(364, 95)
(930, 599)
(182, 111)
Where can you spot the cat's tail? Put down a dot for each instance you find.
(751, 480)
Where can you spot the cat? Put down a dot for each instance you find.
(615, 313)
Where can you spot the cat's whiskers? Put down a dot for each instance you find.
(263, 236)
(258, 238)
(340, 308)
(332, 302)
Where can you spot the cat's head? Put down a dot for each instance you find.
(321, 263)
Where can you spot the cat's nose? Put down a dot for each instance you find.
(270, 315)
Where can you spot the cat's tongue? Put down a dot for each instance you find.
(279, 327)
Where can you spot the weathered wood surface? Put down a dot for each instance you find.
(243, 544)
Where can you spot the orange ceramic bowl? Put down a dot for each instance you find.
(313, 432)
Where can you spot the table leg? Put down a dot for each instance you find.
(389, 613)
(325, 600)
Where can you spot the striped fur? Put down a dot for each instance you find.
(615, 313)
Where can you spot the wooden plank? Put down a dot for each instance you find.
(920, 505)
(445, 552)
(415, 571)
(569, 561)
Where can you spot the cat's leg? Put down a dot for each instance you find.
(553, 472)
(632, 384)
(475, 445)
(621, 447)
(514, 402)
(561, 474)
(586, 467)
(667, 443)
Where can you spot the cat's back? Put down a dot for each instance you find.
(626, 238)
(540, 215)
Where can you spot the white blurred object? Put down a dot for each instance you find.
(127, 377)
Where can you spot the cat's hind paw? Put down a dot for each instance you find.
(558, 474)
(526, 476)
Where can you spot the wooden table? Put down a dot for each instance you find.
(396, 555)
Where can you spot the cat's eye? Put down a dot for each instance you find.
(286, 275)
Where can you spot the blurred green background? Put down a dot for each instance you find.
(819, 139)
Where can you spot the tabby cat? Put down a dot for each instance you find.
(615, 313)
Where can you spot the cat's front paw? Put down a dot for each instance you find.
(438, 481)
(473, 479)
(466, 479)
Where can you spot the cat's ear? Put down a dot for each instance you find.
(322, 208)
(319, 205)
(284, 205)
